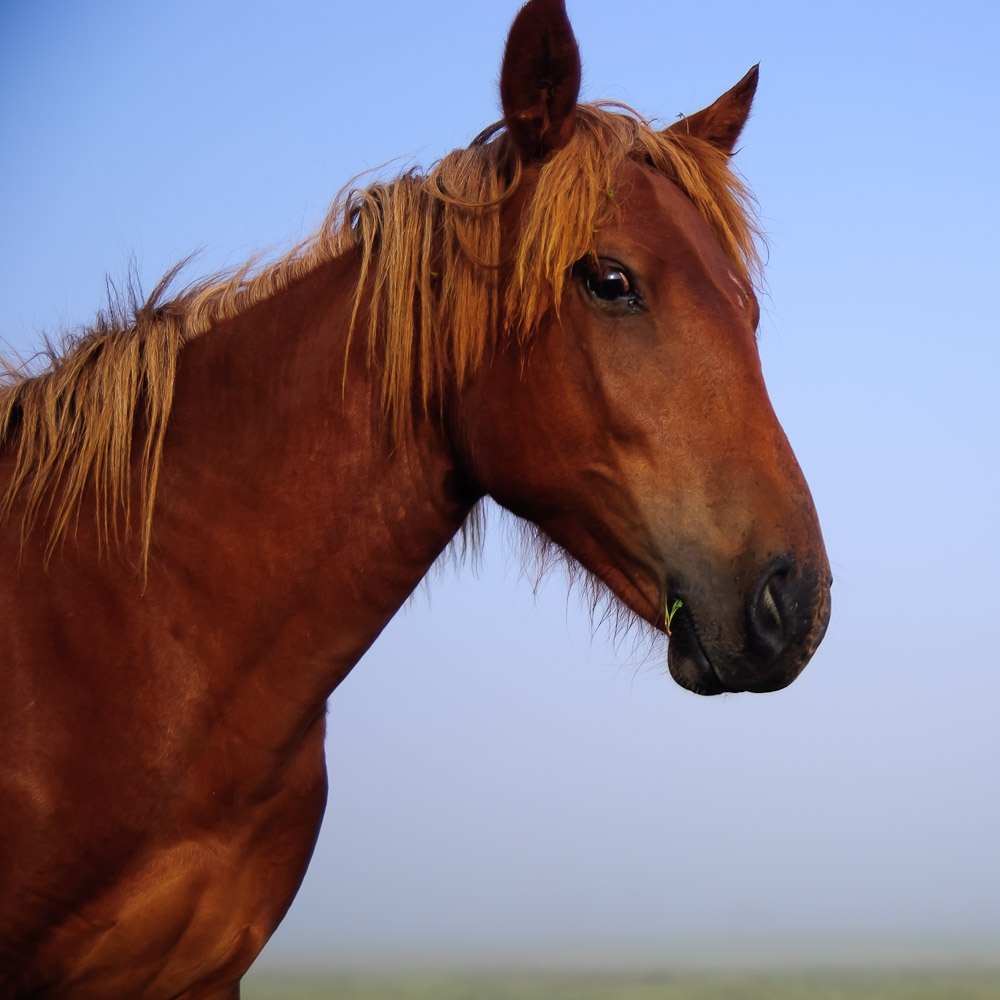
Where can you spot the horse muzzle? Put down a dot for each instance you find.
(765, 645)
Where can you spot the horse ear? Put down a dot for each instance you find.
(721, 123)
(540, 79)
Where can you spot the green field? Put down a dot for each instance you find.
(910, 984)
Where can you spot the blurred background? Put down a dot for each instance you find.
(509, 785)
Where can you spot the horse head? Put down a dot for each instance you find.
(624, 410)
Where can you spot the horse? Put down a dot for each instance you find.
(215, 500)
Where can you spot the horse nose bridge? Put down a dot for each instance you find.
(764, 487)
(740, 451)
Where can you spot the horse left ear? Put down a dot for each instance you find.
(540, 79)
(721, 123)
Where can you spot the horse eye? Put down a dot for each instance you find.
(609, 284)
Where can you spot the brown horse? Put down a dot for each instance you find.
(212, 506)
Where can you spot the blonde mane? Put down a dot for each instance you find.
(429, 247)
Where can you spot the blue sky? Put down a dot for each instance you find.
(506, 784)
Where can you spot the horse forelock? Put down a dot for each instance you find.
(429, 247)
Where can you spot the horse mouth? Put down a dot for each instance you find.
(690, 666)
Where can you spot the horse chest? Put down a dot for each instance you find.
(195, 903)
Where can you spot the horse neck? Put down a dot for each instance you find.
(286, 514)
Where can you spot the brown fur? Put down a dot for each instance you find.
(434, 310)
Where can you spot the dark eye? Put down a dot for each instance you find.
(608, 283)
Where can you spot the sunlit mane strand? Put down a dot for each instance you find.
(429, 304)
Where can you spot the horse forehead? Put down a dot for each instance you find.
(655, 205)
(660, 216)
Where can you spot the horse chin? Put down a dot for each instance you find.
(688, 662)
(694, 668)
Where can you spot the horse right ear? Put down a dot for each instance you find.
(540, 79)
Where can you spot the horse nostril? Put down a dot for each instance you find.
(769, 609)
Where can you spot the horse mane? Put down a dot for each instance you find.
(429, 247)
